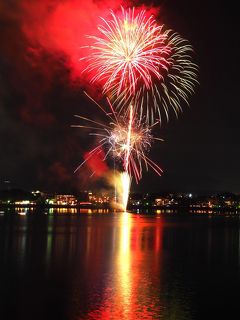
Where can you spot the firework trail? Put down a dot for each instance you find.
(138, 62)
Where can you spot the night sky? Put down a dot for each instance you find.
(39, 96)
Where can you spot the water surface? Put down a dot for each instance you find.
(118, 266)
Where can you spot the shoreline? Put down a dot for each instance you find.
(134, 209)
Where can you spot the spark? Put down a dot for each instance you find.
(137, 61)
(125, 138)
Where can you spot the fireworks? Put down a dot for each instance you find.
(131, 47)
(125, 138)
(138, 62)
(145, 71)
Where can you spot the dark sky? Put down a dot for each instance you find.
(39, 149)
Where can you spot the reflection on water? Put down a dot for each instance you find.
(66, 265)
(123, 274)
(128, 293)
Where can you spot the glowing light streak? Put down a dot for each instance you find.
(137, 62)
(128, 144)
(125, 182)
(127, 139)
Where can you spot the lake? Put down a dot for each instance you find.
(101, 265)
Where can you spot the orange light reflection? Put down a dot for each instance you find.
(129, 294)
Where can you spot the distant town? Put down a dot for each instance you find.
(89, 199)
